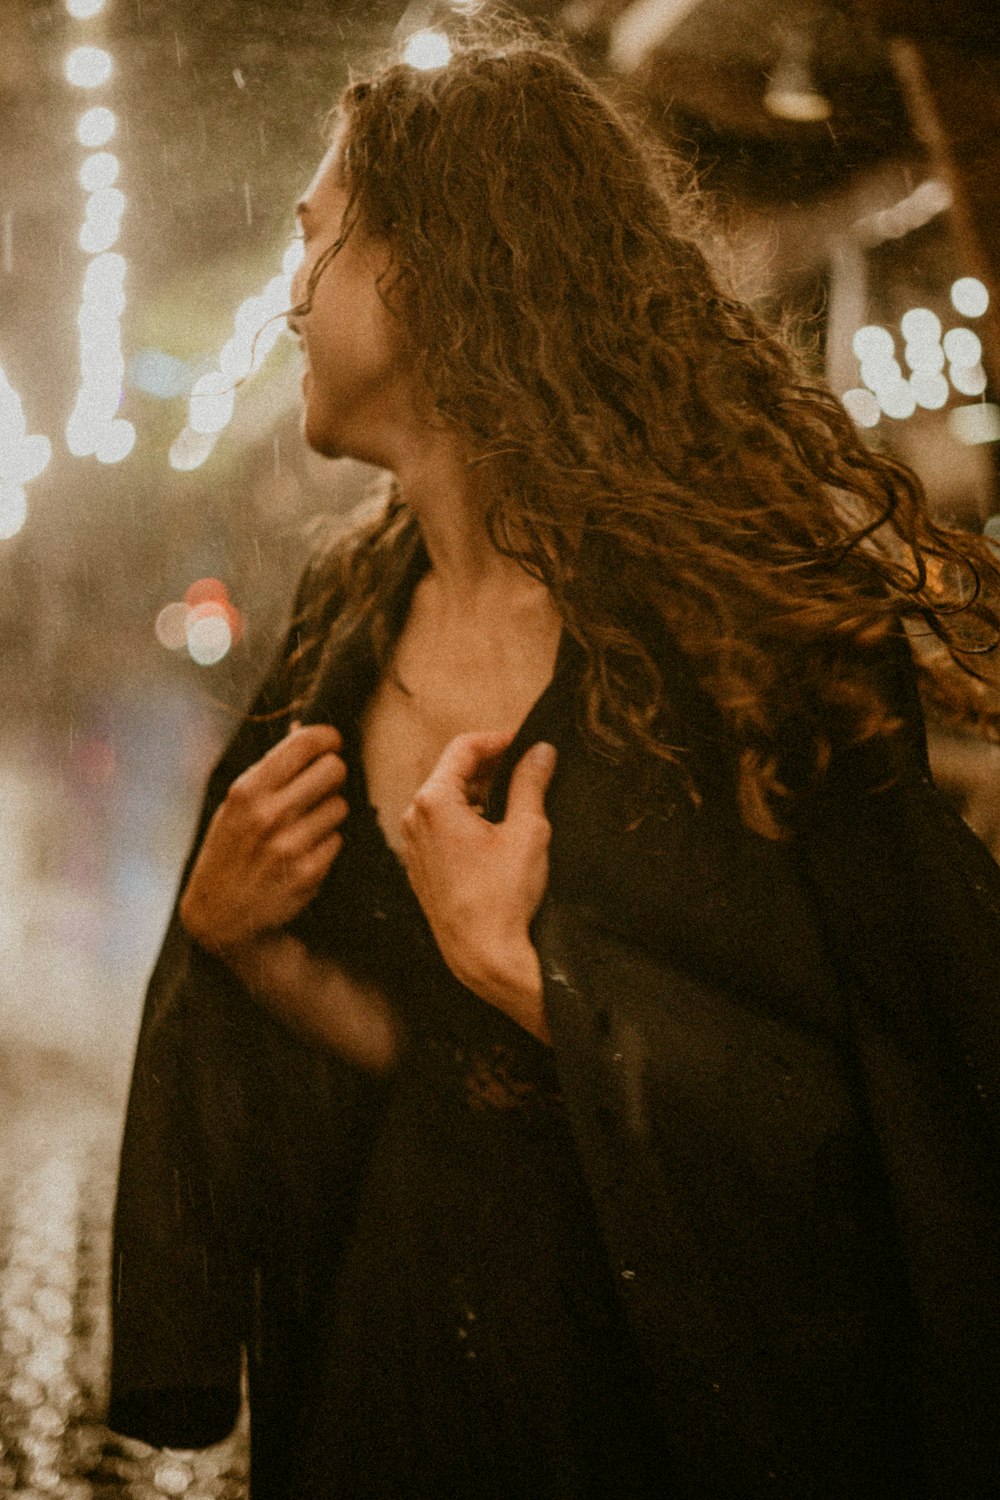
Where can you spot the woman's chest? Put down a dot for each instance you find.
(405, 729)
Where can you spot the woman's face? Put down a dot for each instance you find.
(355, 381)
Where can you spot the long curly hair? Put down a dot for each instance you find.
(658, 457)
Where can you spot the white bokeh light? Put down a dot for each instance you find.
(862, 407)
(88, 67)
(211, 403)
(209, 635)
(190, 449)
(975, 424)
(873, 343)
(115, 442)
(970, 380)
(920, 326)
(13, 510)
(99, 171)
(962, 346)
(878, 375)
(897, 400)
(82, 10)
(928, 358)
(930, 389)
(96, 126)
(171, 626)
(427, 49)
(969, 297)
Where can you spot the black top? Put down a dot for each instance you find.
(473, 1341)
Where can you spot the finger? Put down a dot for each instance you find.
(530, 782)
(465, 764)
(318, 824)
(289, 756)
(318, 781)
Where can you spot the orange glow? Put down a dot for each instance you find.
(205, 591)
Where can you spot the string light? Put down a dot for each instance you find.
(96, 126)
(94, 426)
(88, 67)
(969, 297)
(427, 49)
(22, 459)
(258, 324)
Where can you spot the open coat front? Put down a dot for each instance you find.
(780, 1064)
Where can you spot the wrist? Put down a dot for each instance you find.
(510, 977)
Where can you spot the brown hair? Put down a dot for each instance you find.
(660, 458)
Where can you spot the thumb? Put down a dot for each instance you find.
(530, 781)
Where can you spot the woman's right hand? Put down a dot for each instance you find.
(269, 843)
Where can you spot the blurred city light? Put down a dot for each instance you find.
(881, 373)
(930, 198)
(969, 297)
(115, 442)
(13, 509)
(156, 373)
(427, 49)
(962, 346)
(211, 403)
(99, 171)
(82, 10)
(930, 389)
(209, 635)
(920, 326)
(88, 67)
(928, 357)
(96, 126)
(190, 449)
(970, 380)
(862, 407)
(897, 400)
(873, 343)
(975, 424)
(171, 626)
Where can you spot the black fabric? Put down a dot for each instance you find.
(473, 1341)
(779, 1066)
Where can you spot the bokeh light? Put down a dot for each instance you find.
(206, 591)
(82, 10)
(862, 407)
(969, 297)
(115, 442)
(427, 49)
(921, 326)
(962, 346)
(873, 344)
(211, 403)
(190, 449)
(99, 171)
(930, 389)
(209, 636)
(897, 400)
(13, 509)
(970, 380)
(975, 424)
(96, 126)
(171, 626)
(88, 67)
(925, 357)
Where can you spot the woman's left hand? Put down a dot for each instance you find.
(481, 883)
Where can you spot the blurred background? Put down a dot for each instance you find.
(152, 524)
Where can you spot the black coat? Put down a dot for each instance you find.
(780, 1061)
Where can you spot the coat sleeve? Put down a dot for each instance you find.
(230, 1148)
(780, 1065)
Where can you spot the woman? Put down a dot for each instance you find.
(570, 1069)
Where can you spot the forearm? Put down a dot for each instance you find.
(316, 998)
(509, 976)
